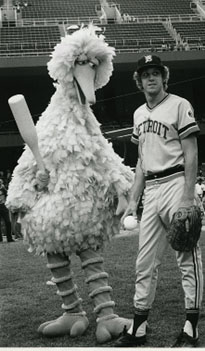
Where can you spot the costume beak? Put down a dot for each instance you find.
(84, 83)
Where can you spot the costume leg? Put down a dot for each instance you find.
(74, 321)
(109, 325)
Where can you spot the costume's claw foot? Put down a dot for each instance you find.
(68, 324)
(111, 328)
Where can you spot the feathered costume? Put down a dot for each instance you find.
(75, 213)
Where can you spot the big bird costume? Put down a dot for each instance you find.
(75, 211)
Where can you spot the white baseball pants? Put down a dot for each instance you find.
(161, 201)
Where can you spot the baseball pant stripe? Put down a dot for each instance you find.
(197, 279)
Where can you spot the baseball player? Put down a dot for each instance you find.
(165, 132)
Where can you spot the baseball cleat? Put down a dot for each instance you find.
(128, 340)
(184, 340)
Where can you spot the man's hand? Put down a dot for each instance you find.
(130, 210)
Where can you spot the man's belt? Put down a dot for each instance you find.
(165, 173)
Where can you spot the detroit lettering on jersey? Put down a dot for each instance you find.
(159, 132)
(150, 126)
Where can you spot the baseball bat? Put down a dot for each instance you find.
(26, 126)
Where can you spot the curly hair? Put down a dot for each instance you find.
(165, 77)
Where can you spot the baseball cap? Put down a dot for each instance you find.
(149, 61)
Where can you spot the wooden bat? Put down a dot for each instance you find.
(26, 126)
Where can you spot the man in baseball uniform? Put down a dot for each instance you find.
(165, 132)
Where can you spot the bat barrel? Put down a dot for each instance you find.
(26, 126)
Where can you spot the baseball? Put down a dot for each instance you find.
(130, 222)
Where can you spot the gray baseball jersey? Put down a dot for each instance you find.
(158, 132)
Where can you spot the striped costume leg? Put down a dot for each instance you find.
(74, 321)
(109, 324)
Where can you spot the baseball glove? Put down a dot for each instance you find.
(185, 228)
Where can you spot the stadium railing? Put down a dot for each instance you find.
(26, 48)
(95, 19)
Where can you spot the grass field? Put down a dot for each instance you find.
(26, 301)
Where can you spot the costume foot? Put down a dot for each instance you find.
(108, 329)
(68, 324)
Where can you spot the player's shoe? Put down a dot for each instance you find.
(184, 340)
(128, 340)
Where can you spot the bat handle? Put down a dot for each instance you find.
(38, 159)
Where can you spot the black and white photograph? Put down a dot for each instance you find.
(102, 174)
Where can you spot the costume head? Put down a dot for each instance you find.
(150, 61)
(84, 60)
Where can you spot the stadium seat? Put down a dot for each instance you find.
(155, 8)
(23, 39)
(59, 8)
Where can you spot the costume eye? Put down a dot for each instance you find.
(92, 65)
(81, 63)
(94, 62)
